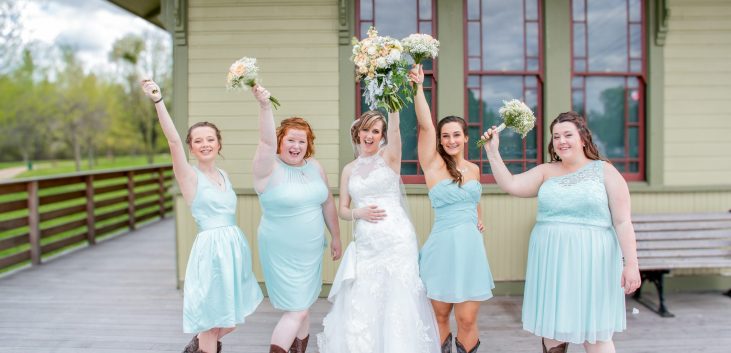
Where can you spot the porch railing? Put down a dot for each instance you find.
(40, 217)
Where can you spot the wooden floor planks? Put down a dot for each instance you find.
(120, 296)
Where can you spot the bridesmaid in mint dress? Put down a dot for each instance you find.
(452, 263)
(575, 280)
(296, 205)
(220, 288)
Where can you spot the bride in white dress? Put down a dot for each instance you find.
(379, 301)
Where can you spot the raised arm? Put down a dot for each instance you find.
(427, 142)
(331, 217)
(392, 151)
(263, 162)
(620, 207)
(184, 174)
(525, 184)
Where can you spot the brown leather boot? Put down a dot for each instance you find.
(276, 349)
(299, 345)
(461, 349)
(561, 348)
(447, 344)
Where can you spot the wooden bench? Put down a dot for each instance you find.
(679, 241)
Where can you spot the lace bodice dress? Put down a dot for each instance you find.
(572, 287)
(379, 301)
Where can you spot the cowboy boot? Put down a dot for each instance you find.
(461, 349)
(276, 349)
(561, 348)
(299, 345)
(447, 344)
(192, 346)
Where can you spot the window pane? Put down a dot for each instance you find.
(495, 90)
(425, 10)
(635, 37)
(634, 142)
(635, 8)
(579, 40)
(425, 27)
(473, 9)
(607, 25)
(531, 10)
(532, 39)
(473, 39)
(502, 31)
(474, 133)
(366, 10)
(605, 103)
(396, 18)
(577, 7)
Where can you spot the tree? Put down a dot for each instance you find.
(11, 44)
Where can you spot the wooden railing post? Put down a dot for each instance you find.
(131, 199)
(90, 226)
(34, 223)
(161, 191)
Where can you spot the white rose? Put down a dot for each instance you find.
(394, 55)
(381, 63)
(371, 50)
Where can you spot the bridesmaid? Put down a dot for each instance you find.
(296, 205)
(453, 262)
(575, 279)
(220, 288)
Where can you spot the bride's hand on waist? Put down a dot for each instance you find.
(370, 213)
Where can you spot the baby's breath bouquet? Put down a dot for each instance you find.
(421, 46)
(242, 74)
(517, 116)
(379, 63)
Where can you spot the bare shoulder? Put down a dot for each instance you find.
(611, 173)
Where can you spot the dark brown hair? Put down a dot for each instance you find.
(590, 149)
(366, 121)
(449, 160)
(296, 123)
(189, 138)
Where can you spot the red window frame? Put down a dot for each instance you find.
(538, 74)
(430, 74)
(641, 87)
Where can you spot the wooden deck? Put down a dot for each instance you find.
(120, 296)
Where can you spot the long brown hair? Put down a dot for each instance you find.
(590, 149)
(189, 138)
(449, 160)
(297, 123)
(366, 121)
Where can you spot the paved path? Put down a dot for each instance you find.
(9, 173)
(120, 297)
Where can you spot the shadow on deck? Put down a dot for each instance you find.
(120, 296)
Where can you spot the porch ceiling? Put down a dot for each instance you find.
(146, 9)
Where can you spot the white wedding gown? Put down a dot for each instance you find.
(379, 301)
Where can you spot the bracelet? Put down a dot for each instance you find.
(159, 100)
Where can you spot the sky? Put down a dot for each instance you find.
(88, 26)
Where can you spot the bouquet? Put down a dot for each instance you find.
(517, 116)
(379, 63)
(421, 46)
(243, 73)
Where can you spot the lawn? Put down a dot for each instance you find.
(46, 168)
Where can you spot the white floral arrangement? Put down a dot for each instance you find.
(421, 46)
(380, 64)
(243, 74)
(517, 116)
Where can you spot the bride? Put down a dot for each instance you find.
(379, 301)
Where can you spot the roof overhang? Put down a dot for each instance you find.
(148, 10)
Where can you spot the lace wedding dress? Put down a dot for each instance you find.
(379, 301)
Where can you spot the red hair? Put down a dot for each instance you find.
(296, 123)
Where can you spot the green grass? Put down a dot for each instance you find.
(4, 165)
(47, 168)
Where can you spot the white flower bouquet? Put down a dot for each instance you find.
(379, 63)
(517, 116)
(242, 74)
(421, 46)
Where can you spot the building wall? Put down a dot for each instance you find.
(303, 62)
(697, 52)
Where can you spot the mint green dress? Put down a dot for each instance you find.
(291, 235)
(220, 287)
(452, 262)
(572, 285)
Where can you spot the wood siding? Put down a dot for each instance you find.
(697, 90)
(508, 221)
(296, 44)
